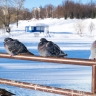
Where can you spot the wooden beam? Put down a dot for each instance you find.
(94, 79)
(43, 88)
(72, 61)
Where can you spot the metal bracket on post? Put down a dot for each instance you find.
(94, 79)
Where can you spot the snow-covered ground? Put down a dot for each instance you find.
(63, 33)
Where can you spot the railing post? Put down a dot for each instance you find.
(94, 79)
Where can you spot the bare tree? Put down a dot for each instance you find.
(36, 12)
(79, 27)
(4, 11)
(42, 12)
(18, 5)
(5, 14)
(25, 14)
(49, 10)
(91, 27)
(58, 11)
(6, 5)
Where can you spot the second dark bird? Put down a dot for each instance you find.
(48, 48)
(4, 92)
(15, 47)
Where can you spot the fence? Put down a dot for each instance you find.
(68, 92)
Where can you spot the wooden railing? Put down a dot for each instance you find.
(60, 91)
(68, 92)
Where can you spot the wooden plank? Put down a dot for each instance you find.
(72, 61)
(94, 79)
(43, 88)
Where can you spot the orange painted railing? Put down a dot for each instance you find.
(68, 92)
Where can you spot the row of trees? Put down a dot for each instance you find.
(68, 8)
(12, 10)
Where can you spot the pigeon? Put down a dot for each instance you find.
(48, 48)
(15, 47)
(93, 51)
(4, 92)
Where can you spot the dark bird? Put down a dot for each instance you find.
(48, 48)
(93, 51)
(4, 92)
(15, 47)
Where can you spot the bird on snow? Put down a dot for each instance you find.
(15, 47)
(48, 48)
(93, 51)
(4, 92)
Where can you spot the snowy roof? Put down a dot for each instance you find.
(41, 24)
